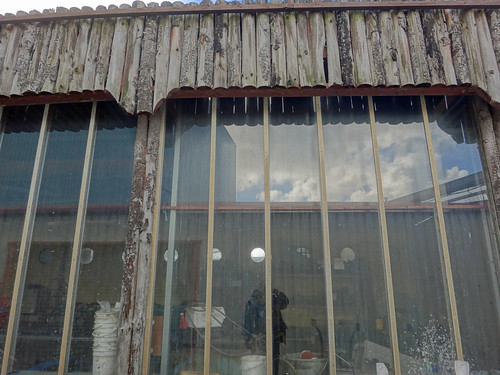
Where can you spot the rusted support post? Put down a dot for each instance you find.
(136, 257)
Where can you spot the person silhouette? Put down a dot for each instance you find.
(255, 323)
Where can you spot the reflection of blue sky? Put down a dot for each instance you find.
(453, 159)
(349, 162)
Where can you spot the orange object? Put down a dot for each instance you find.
(307, 354)
(184, 324)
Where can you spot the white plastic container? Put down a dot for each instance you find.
(312, 366)
(253, 365)
(105, 340)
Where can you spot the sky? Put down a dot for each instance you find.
(27, 5)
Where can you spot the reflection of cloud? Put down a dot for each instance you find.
(302, 190)
(454, 173)
(248, 179)
(349, 166)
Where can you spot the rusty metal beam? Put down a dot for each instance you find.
(259, 92)
(257, 8)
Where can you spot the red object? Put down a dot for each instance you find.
(184, 324)
(307, 354)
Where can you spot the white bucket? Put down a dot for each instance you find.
(103, 364)
(253, 365)
(105, 341)
(311, 366)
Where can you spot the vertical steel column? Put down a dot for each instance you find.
(77, 245)
(24, 249)
(267, 235)
(154, 242)
(210, 240)
(326, 241)
(167, 305)
(385, 243)
(442, 231)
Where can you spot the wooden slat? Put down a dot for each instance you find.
(117, 58)
(104, 54)
(494, 23)
(263, 39)
(162, 60)
(444, 44)
(459, 57)
(220, 48)
(345, 48)
(248, 50)
(375, 49)
(176, 43)
(234, 50)
(317, 48)
(89, 72)
(304, 52)
(20, 80)
(66, 57)
(79, 56)
(4, 37)
(278, 48)
(389, 50)
(147, 66)
(54, 53)
(438, 48)
(132, 60)
(205, 75)
(418, 53)
(488, 56)
(362, 73)
(472, 50)
(402, 48)
(189, 55)
(292, 67)
(332, 50)
(434, 57)
(39, 59)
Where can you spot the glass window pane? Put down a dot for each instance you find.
(422, 310)
(44, 296)
(179, 317)
(238, 299)
(19, 132)
(101, 267)
(298, 282)
(473, 251)
(360, 302)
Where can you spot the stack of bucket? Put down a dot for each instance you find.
(105, 339)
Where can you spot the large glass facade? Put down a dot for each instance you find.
(304, 236)
(57, 136)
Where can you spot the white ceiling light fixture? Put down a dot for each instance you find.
(258, 254)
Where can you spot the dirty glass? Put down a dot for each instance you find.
(468, 218)
(299, 316)
(422, 310)
(99, 280)
(19, 133)
(179, 302)
(44, 295)
(359, 294)
(238, 315)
